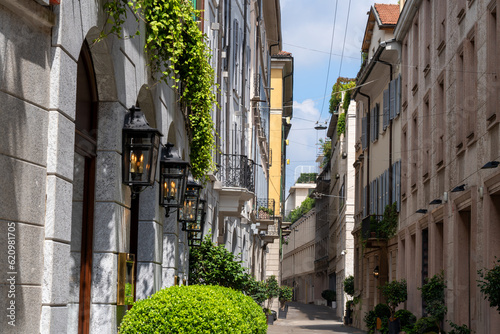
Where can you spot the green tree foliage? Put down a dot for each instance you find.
(407, 320)
(349, 285)
(489, 284)
(342, 84)
(456, 329)
(326, 149)
(210, 264)
(298, 212)
(389, 222)
(307, 178)
(370, 320)
(425, 325)
(256, 290)
(329, 295)
(177, 53)
(395, 293)
(341, 124)
(433, 295)
(272, 290)
(286, 293)
(195, 309)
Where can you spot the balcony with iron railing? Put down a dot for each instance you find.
(371, 232)
(264, 212)
(237, 171)
(236, 183)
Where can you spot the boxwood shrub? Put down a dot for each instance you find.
(195, 309)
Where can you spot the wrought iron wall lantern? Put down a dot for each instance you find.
(188, 212)
(195, 230)
(173, 178)
(140, 151)
(376, 272)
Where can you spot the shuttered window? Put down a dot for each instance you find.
(374, 122)
(398, 95)
(364, 140)
(386, 109)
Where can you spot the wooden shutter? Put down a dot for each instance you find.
(398, 95)
(392, 99)
(386, 109)
(364, 132)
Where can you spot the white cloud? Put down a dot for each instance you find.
(306, 108)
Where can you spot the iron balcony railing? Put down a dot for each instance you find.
(370, 227)
(264, 208)
(237, 171)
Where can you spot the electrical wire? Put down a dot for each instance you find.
(329, 58)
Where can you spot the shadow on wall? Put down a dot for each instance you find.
(24, 87)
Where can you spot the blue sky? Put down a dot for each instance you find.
(307, 29)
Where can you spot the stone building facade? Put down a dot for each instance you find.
(340, 199)
(298, 258)
(378, 156)
(64, 100)
(450, 208)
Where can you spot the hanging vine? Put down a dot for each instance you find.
(177, 51)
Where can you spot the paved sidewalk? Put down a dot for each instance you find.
(308, 319)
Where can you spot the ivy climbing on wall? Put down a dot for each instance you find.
(177, 53)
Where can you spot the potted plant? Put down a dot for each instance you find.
(285, 296)
(395, 293)
(265, 213)
(272, 291)
(433, 295)
(330, 296)
(349, 289)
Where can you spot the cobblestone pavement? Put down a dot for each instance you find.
(308, 319)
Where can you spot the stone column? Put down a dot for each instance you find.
(59, 192)
(149, 247)
(170, 249)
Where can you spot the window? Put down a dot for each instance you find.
(470, 77)
(386, 109)
(440, 29)
(374, 123)
(414, 151)
(460, 93)
(426, 136)
(427, 36)
(493, 95)
(415, 61)
(439, 123)
(364, 139)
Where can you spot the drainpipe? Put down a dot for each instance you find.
(243, 81)
(228, 90)
(219, 80)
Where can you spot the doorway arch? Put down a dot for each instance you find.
(84, 175)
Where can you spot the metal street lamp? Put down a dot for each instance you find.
(195, 230)
(173, 178)
(188, 213)
(140, 151)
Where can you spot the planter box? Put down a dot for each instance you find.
(282, 313)
(270, 319)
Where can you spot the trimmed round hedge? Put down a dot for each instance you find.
(195, 309)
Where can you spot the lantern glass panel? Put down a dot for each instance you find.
(140, 157)
(173, 184)
(195, 238)
(200, 218)
(188, 212)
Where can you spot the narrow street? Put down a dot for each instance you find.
(307, 318)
